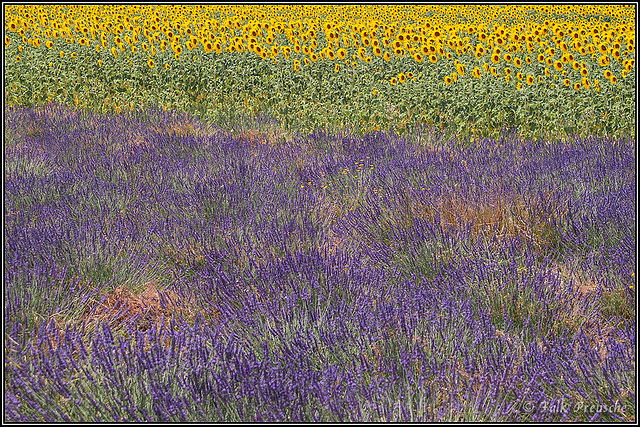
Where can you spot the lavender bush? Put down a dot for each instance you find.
(320, 277)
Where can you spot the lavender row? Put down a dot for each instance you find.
(338, 276)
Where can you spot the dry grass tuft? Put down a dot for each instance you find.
(124, 311)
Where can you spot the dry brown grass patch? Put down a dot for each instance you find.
(124, 310)
(510, 214)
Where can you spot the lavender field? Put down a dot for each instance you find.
(157, 268)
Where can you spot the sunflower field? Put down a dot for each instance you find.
(319, 213)
(545, 70)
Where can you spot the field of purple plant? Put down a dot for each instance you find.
(160, 269)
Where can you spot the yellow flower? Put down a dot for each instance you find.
(529, 79)
(401, 78)
(99, 62)
(448, 80)
(150, 62)
(114, 51)
(519, 85)
(576, 86)
(476, 73)
(337, 68)
(393, 80)
(61, 54)
(166, 66)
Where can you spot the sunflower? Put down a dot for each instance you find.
(495, 58)
(296, 65)
(150, 62)
(576, 86)
(418, 57)
(567, 82)
(517, 62)
(448, 80)
(166, 66)
(607, 74)
(557, 65)
(507, 57)
(476, 73)
(530, 79)
(114, 51)
(61, 54)
(507, 71)
(393, 81)
(387, 56)
(49, 44)
(603, 61)
(401, 78)
(99, 62)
